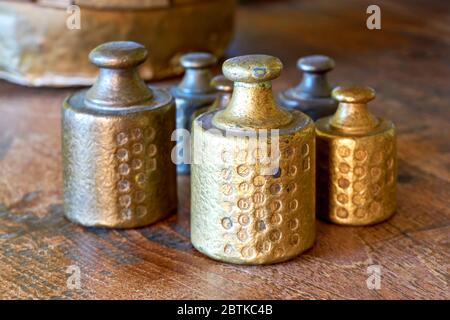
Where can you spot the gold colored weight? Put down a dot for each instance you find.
(245, 209)
(116, 145)
(357, 164)
(224, 89)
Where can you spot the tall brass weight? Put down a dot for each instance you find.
(253, 195)
(116, 145)
(357, 165)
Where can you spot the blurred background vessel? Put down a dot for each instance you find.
(41, 45)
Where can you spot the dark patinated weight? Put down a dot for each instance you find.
(313, 95)
(192, 93)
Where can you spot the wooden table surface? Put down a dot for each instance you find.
(407, 62)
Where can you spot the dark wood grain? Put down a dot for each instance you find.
(407, 62)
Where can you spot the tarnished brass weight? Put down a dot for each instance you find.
(224, 89)
(357, 165)
(116, 144)
(193, 92)
(252, 196)
(313, 95)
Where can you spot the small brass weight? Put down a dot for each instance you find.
(253, 196)
(357, 165)
(116, 145)
(224, 89)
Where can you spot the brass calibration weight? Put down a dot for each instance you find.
(224, 89)
(252, 203)
(193, 92)
(313, 95)
(116, 145)
(357, 165)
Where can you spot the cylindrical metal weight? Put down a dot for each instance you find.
(253, 172)
(116, 145)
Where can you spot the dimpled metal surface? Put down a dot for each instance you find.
(357, 163)
(116, 152)
(240, 212)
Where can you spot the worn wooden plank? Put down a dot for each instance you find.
(406, 62)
